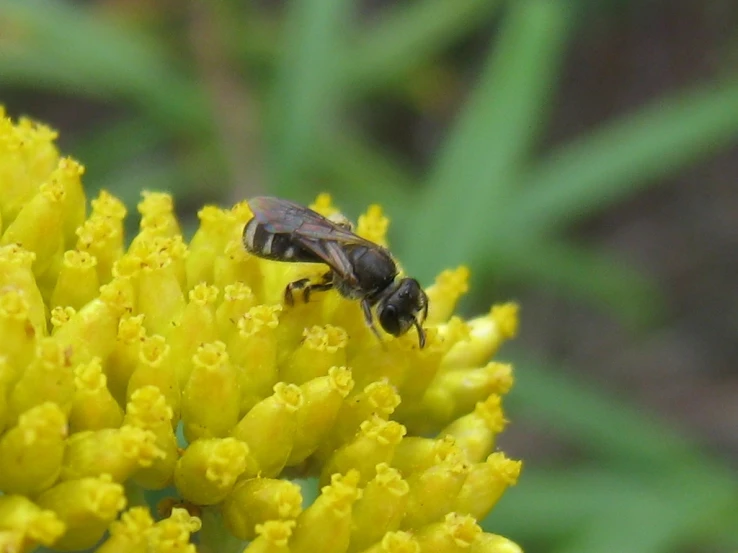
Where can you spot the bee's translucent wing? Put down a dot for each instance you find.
(284, 217)
(310, 229)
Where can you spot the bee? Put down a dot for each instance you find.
(359, 269)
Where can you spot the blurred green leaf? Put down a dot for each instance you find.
(574, 272)
(628, 155)
(107, 147)
(408, 35)
(47, 44)
(306, 92)
(364, 174)
(466, 196)
(608, 429)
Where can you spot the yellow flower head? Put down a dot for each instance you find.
(154, 365)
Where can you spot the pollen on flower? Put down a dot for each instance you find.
(373, 225)
(161, 363)
(258, 317)
(60, 315)
(107, 205)
(323, 204)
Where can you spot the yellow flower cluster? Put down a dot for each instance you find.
(168, 365)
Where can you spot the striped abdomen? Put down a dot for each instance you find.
(279, 247)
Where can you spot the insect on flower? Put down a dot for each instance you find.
(359, 269)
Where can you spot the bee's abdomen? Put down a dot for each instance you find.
(280, 247)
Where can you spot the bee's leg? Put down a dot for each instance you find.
(289, 298)
(366, 307)
(326, 283)
(307, 287)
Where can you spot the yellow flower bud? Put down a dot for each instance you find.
(434, 490)
(87, 507)
(118, 452)
(101, 237)
(492, 543)
(301, 315)
(155, 368)
(18, 344)
(91, 331)
(374, 444)
(415, 454)
(93, 406)
(238, 298)
(16, 274)
(160, 298)
(6, 376)
(396, 542)
(33, 525)
(208, 469)
(237, 265)
(107, 205)
(475, 433)
(68, 173)
(208, 243)
(59, 316)
(129, 534)
(77, 283)
(196, 327)
(148, 410)
(380, 509)
(423, 366)
(325, 526)
(373, 225)
(387, 360)
(28, 156)
(320, 349)
(259, 500)
(211, 399)
(269, 428)
(124, 358)
(273, 537)
(487, 335)
(172, 535)
(31, 452)
(39, 227)
(126, 271)
(322, 400)
(450, 285)
(253, 350)
(455, 534)
(455, 392)
(49, 377)
(485, 484)
(323, 204)
(378, 398)
(157, 211)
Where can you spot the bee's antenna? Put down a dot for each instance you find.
(421, 333)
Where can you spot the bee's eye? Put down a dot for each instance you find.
(389, 320)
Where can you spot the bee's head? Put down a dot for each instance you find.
(400, 307)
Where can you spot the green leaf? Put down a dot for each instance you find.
(62, 46)
(610, 430)
(496, 130)
(307, 90)
(363, 174)
(407, 36)
(573, 272)
(628, 155)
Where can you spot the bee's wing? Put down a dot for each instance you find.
(285, 217)
(310, 229)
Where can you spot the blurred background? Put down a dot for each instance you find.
(581, 156)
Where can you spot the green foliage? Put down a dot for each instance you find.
(490, 198)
